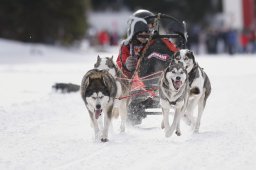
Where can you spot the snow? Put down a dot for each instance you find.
(110, 21)
(44, 129)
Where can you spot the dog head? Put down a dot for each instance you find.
(96, 102)
(176, 76)
(106, 63)
(97, 89)
(186, 57)
(97, 95)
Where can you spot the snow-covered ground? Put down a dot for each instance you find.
(42, 129)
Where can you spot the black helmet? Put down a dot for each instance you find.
(135, 26)
(140, 27)
(142, 13)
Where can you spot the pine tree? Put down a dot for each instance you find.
(43, 21)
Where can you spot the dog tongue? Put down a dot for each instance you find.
(97, 113)
(177, 84)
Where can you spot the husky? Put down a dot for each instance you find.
(98, 91)
(173, 93)
(123, 86)
(198, 82)
(122, 83)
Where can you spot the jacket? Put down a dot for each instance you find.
(133, 49)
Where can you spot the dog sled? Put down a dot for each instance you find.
(156, 56)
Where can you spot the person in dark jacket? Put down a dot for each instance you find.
(133, 45)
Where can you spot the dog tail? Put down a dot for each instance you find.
(66, 87)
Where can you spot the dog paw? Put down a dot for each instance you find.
(178, 133)
(104, 140)
(168, 132)
(196, 130)
(162, 125)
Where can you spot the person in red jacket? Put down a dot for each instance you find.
(132, 46)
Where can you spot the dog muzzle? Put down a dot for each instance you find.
(97, 113)
(177, 84)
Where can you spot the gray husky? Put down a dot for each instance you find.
(173, 93)
(198, 82)
(98, 91)
(121, 82)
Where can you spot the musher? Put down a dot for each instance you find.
(133, 45)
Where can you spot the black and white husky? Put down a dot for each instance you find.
(173, 93)
(122, 83)
(98, 91)
(198, 82)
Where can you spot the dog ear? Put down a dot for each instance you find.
(109, 81)
(105, 77)
(190, 54)
(84, 85)
(87, 82)
(176, 54)
(96, 65)
(168, 68)
(112, 57)
(172, 61)
(165, 80)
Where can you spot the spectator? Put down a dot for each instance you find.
(103, 38)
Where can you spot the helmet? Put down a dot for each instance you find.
(140, 27)
(135, 26)
(143, 13)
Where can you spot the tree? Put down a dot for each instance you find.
(43, 20)
(182, 9)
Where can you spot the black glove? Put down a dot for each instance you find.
(131, 63)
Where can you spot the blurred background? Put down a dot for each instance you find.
(214, 26)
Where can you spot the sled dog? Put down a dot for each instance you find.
(198, 82)
(98, 91)
(173, 93)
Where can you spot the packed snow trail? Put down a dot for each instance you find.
(43, 129)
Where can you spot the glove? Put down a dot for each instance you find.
(131, 63)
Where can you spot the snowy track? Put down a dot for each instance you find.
(42, 129)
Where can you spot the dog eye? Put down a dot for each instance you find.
(94, 98)
(182, 72)
(186, 58)
(173, 72)
(101, 97)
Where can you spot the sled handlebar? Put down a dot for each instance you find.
(178, 33)
(161, 36)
